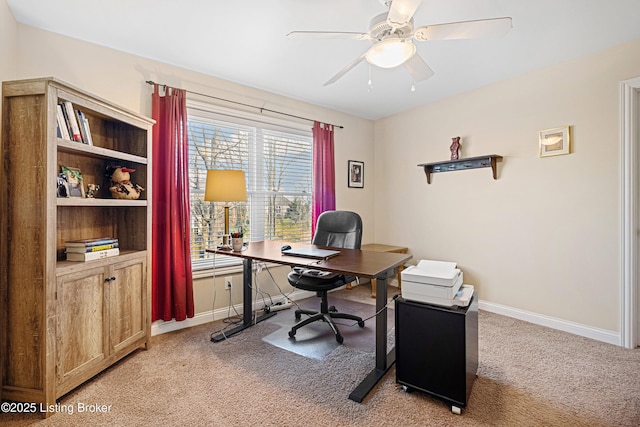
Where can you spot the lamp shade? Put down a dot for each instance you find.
(390, 52)
(225, 186)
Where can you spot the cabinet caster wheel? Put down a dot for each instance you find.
(361, 324)
(456, 410)
(407, 389)
(339, 338)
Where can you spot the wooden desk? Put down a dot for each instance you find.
(355, 262)
(384, 248)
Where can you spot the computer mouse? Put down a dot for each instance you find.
(285, 248)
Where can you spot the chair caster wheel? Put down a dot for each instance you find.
(298, 316)
(292, 334)
(339, 338)
(361, 323)
(333, 309)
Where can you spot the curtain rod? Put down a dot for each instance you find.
(150, 82)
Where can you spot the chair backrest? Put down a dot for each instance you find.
(339, 229)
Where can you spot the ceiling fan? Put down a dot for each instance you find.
(393, 33)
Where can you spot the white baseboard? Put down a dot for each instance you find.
(552, 322)
(160, 327)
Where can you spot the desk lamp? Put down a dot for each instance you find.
(225, 186)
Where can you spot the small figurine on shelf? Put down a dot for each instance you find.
(122, 187)
(455, 148)
(92, 190)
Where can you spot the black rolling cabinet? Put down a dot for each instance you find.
(437, 349)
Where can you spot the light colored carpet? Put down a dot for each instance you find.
(528, 376)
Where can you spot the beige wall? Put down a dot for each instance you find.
(8, 47)
(545, 236)
(120, 77)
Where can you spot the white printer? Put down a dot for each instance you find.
(435, 282)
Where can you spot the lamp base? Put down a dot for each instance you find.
(226, 242)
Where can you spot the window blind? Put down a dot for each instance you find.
(277, 160)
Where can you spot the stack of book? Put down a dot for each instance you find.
(91, 249)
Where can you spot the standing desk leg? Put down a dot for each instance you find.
(247, 305)
(247, 286)
(384, 360)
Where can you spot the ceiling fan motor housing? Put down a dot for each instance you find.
(379, 28)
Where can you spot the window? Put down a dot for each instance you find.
(276, 157)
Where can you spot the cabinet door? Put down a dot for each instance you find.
(127, 303)
(81, 319)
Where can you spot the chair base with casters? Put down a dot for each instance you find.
(327, 313)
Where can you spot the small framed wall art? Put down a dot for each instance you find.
(356, 174)
(554, 142)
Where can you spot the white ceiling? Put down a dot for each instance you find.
(244, 41)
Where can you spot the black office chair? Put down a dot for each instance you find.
(337, 229)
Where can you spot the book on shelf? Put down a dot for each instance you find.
(63, 110)
(73, 122)
(62, 123)
(85, 243)
(91, 256)
(85, 249)
(83, 123)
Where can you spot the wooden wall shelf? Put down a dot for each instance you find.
(486, 161)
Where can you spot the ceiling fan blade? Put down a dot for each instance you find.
(417, 68)
(481, 28)
(327, 35)
(346, 69)
(401, 11)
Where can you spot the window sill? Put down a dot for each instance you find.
(208, 273)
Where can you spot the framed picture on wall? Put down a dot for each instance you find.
(554, 142)
(356, 174)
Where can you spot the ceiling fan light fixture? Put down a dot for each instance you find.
(391, 52)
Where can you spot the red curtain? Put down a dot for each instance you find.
(324, 177)
(172, 281)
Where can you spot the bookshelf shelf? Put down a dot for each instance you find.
(98, 152)
(83, 201)
(68, 267)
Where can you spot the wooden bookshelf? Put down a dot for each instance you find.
(63, 322)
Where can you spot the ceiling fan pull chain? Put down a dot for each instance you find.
(369, 83)
(413, 80)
